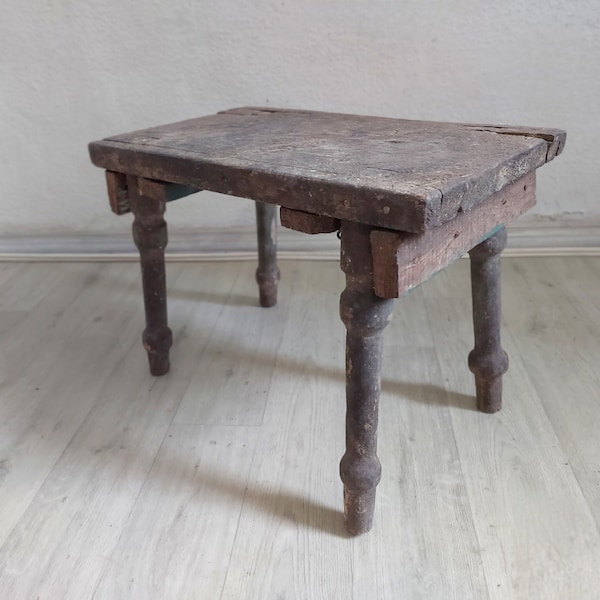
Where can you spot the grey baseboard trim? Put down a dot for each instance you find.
(544, 237)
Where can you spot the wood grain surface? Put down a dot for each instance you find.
(400, 174)
(404, 260)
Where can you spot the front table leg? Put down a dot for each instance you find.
(487, 360)
(150, 236)
(365, 316)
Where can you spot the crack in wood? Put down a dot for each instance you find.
(549, 137)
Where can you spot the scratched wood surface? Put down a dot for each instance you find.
(401, 174)
(113, 486)
(404, 260)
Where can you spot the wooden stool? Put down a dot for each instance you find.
(408, 198)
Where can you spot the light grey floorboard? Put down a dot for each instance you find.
(537, 535)
(557, 331)
(111, 453)
(231, 369)
(111, 485)
(22, 286)
(185, 552)
(53, 364)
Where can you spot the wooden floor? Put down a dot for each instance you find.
(220, 480)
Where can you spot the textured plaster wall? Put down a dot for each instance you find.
(72, 71)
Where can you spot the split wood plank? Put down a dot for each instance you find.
(402, 261)
(400, 174)
(556, 138)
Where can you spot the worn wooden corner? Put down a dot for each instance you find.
(118, 195)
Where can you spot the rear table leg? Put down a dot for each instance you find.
(150, 236)
(267, 274)
(487, 360)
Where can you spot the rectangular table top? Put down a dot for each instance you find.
(393, 173)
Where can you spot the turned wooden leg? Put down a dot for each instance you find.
(267, 274)
(150, 236)
(365, 316)
(487, 360)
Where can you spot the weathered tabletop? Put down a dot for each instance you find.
(393, 173)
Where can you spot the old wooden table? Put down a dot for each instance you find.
(409, 197)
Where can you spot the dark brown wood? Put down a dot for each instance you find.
(118, 198)
(163, 191)
(267, 273)
(118, 194)
(487, 360)
(365, 316)
(392, 173)
(404, 260)
(150, 236)
(307, 222)
(410, 196)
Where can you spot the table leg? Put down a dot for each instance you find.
(150, 236)
(487, 360)
(365, 316)
(267, 273)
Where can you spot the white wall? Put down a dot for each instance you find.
(73, 71)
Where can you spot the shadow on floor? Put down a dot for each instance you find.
(423, 393)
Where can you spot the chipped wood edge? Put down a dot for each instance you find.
(401, 261)
(554, 138)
